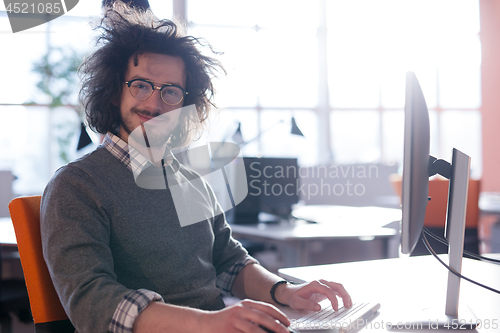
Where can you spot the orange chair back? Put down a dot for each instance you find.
(45, 304)
(435, 213)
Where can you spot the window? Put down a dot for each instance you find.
(276, 55)
(337, 67)
(371, 44)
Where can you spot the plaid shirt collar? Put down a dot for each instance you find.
(131, 158)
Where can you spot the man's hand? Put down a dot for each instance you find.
(246, 316)
(307, 296)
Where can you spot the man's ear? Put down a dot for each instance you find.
(116, 101)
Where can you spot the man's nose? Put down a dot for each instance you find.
(154, 103)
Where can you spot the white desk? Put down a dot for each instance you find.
(341, 234)
(7, 234)
(407, 285)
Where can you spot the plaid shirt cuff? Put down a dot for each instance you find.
(226, 279)
(129, 308)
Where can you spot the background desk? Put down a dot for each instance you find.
(7, 234)
(405, 285)
(11, 264)
(341, 234)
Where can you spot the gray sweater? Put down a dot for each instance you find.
(104, 236)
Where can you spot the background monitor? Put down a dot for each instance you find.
(278, 184)
(272, 188)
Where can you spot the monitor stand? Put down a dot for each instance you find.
(458, 172)
(455, 227)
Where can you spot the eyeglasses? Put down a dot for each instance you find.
(143, 89)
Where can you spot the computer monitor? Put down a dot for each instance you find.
(418, 166)
(415, 183)
(277, 185)
(272, 188)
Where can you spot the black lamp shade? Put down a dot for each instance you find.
(84, 139)
(295, 129)
(237, 136)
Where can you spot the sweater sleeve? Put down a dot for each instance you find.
(229, 256)
(75, 233)
(227, 251)
(226, 279)
(129, 308)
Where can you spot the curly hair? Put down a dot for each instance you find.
(127, 32)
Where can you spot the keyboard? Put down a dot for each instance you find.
(342, 321)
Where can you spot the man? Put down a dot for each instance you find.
(117, 253)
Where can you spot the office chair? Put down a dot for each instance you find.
(48, 313)
(435, 214)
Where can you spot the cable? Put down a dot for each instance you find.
(431, 250)
(470, 254)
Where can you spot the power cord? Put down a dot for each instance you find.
(431, 251)
(470, 254)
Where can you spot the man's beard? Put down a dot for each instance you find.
(153, 133)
